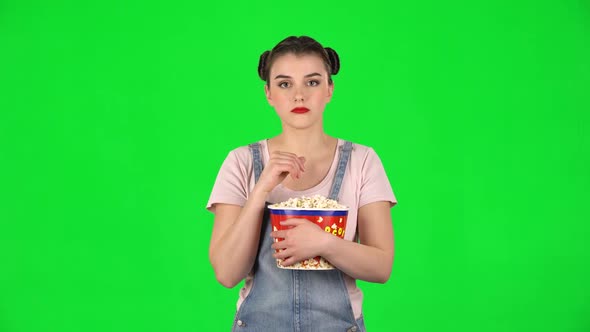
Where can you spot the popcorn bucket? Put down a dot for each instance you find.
(330, 220)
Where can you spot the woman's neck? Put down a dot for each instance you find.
(305, 143)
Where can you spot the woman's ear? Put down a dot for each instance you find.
(330, 90)
(267, 93)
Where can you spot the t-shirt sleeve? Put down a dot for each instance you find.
(375, 184)
(231, 184)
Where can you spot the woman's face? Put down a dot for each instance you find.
(297, 83)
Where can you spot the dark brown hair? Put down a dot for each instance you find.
(299, 46)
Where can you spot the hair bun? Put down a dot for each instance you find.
(262, 65)
(334, 60)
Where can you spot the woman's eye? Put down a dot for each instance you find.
(284, 85)
(313, 83)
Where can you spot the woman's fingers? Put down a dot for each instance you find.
(296, 164)
(288, 167)
(279, 166)
(279, 245)
(293, 165)
(291, 156)
(283, 253)
(300, 161)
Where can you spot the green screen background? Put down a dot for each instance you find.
(116, 116)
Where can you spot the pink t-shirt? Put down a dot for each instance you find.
(365, 181)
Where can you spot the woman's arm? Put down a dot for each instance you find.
(235, 237)
(236, 230)
(370, 260)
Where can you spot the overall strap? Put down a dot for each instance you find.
(343, 156)
(257, 159)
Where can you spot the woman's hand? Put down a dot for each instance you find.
(303, 241)
(279, 166)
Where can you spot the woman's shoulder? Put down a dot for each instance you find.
(358, 150)
(243, 153)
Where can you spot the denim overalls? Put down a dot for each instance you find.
(295, 300)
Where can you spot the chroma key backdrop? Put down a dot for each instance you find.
(115, 117)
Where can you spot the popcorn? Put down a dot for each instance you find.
(311, 202)
(318, 263)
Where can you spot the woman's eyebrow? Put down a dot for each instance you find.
(282, 76)
(313, 74)
(308, 75)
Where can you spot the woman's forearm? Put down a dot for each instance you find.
(359, 261)
(234, 254)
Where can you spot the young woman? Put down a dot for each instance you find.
(301, 160)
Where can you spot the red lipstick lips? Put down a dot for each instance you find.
(300, 110)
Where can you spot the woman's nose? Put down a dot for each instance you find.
(298, 95)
